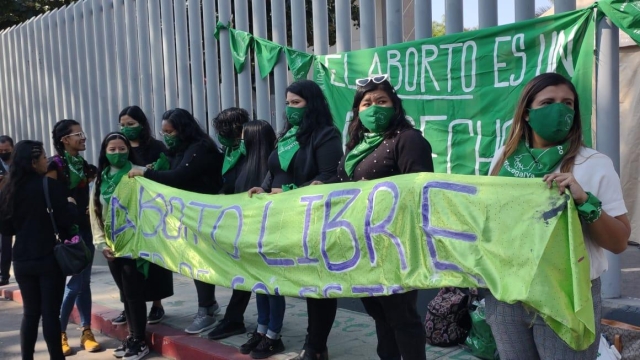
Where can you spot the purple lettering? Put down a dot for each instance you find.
(307, 290)
(238, 280)
(305, 233)
(395, 289)
(144, 255)
(202, 207)
(200, 272)
(381, 228)
(336, 288)
(431, 231)
(260, 287)
(186, 266)
(116, 205)
(263, 230)
(238, 211)
(148, 205)
(169, 212)
(156, 256)
(371, 290)
(337, 223)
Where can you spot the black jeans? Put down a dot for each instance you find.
(237, 306)
(41, 284)
(322, 313)
(206, 294)
(398, 326)
(130, 281)
(5, 256)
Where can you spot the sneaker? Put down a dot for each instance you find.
(255, 338)
(201, 322)
(267, 347)
(137, 349)
(156, 314)
(226, 328)
(88, 341)
(122, 349)
(120, 320)
(307, 354)
(214, 309)
(66, 349)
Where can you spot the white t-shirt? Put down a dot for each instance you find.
(595, 173)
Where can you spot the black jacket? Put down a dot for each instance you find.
(150, 152)
(317, 160)
(197, 169)
(30, 222)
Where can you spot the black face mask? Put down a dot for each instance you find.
(5, 156)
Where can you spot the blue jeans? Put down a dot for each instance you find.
(270, 314)
(78, 291)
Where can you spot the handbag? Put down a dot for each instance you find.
(72, 257)
(448, 321)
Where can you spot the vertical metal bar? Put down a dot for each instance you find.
(279, 33)
(488, 13)
(320, 27)
(393, 10)
(298, 25)
(368, 24)
(228, 96)
(197, 62)
(132, 52)
(244, 78)
(608, 125)
(121, 49)
(263, 105)
(4, 84)
(211, 58)
(90, 122)
(44, 79)
(144, 57)
(16, 82)
(169, 54)
(54, 72)
(27, 73)
(343, 25)
(103, 123)
(157, 69)
(453, 14)
(182, 55)
(560, 6)
(111, 84)
(423, 19)
(63, 66)
(81, 63)
(525, 9)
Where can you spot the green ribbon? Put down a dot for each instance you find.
(162, 163)
(231, 157)
(76, 169)
(288, 146)
(240, 42)
(267, 55)
(527, 162)
(299, 62)
(367, 145)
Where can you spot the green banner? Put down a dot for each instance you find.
(461, 90)
(625, 14)
(371, 238)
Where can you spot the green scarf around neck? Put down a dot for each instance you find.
(288, 146)
(111, 180)
(231, 157)
(367, 145)
(76, 169)
(526, 162)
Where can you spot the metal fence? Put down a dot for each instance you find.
(88, 60)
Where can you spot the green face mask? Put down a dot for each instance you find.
(118, 160)
(552, 122)
(132, 133)
(226, 142)
(376, 118)
(295, 115)
(172, 141)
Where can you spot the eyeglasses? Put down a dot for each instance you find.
(80, 134)
(377, 79)
(162, 133)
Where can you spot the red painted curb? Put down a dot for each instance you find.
(162, 339)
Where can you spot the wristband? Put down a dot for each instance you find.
(591, 209)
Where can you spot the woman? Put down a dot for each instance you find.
(383, 143)
(23, 213)
(195, 164)
(159, 283)
(115, 161)
(547, 131)
(72, 170)
(229, 124)
(307, 152)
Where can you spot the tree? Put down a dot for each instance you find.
(438, 28)
(15, 12)
(543, 9)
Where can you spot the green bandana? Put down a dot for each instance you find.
(287, 147)
(118, 159)
(132, 132)
(231, 157)
(161, 164)
(110, 181)
(76, 169)
(526, 162)
(295, 115)
(366, 146)
(226, 142)
(172, 141)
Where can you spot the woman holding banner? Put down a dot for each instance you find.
(116, 159)
(383, 143)
(545, 141)
(307, 152)
(195, 164)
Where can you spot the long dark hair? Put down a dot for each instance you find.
(189, 131)
(60, 130)
(521, 130)
(230, 121)
(136, 113)
(398, 122)
(259, 140)
(103, 163)
(24, 154)
(317, 114)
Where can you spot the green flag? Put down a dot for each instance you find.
(240, 42)
(267, 55)
(299, 63)
(624, 14)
